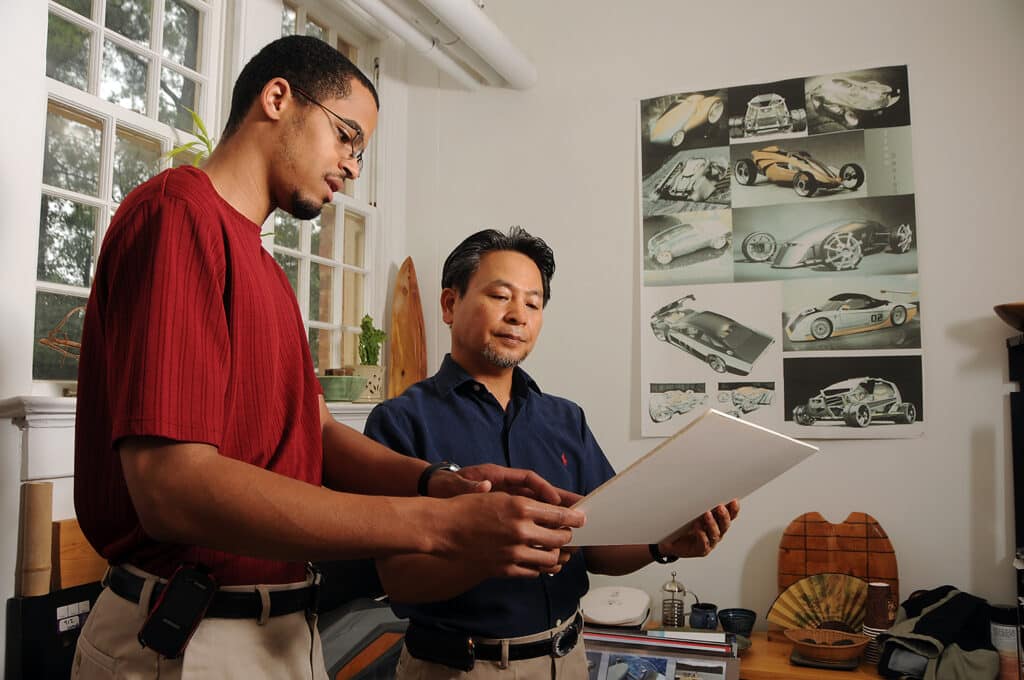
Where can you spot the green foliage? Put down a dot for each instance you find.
(201, 149)
(369, 342)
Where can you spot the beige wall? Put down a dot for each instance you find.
(561, 160)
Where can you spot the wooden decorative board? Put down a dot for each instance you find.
(407, 339)
(857, 547)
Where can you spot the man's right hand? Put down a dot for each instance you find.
(508, 536)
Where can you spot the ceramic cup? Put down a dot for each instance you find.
(877, 614)
(704, 615)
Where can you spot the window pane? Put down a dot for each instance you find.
(349, 349)
(72, 155)
(177, 94)
(320, 348)
(136, 159)
(181, 33)
(124, 77)
(58, 336)
(288, 21)
(83, 7)
(66, 233)
(322, 237)
(321, 287)
(352, 298)
(131, 18)
(348, 50)
(67, 52)
(355, 239)
(290, 265)
(286, 230)
(315, 30)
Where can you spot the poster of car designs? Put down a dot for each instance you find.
(780, 257)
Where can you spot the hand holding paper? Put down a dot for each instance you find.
(699, 536)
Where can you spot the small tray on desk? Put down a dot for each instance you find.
(797, 659)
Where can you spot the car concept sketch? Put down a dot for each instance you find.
(838, 244)
(767, 113)
(798, 169)
(857, 402)
(664, 405)
(723, 343)
(848, 313)
(676, 238)
(851, 101)
(694, 179)
(692, 112)
(746, 398)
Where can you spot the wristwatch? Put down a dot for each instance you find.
(428, 472)
(658, 557)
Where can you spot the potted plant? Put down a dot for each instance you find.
(370, 341)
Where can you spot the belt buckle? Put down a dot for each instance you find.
(564, 640)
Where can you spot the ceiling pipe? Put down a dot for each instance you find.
(476, 29)
(427, 23)
(417, 41)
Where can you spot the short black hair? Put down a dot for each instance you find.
(464, 261)
(307, 63)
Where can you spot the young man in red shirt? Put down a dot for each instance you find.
(202, 435)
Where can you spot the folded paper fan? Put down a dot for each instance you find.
(828, 600)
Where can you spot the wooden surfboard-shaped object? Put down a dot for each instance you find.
(407, 340)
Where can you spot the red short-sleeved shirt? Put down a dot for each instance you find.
(192, 333)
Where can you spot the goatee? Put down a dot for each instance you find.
(502, 360)
(305, 209)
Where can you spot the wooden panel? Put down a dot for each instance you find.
(858, 546)
(74, 560)
(407, 339)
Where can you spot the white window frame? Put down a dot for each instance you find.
(361, 200)
(113, 116)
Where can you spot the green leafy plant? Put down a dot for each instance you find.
(200, 149)
(370, 341)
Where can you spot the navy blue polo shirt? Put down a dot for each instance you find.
(450, 416)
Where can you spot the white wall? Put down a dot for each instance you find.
(561, 159)
(21, 171)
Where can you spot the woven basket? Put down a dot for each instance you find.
(819, 644)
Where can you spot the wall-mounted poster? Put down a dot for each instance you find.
(780, 257)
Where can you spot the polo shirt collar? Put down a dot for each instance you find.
(451, 376)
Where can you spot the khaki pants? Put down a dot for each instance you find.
(572, 666)
(283, 647)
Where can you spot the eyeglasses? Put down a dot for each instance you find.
(349, 132)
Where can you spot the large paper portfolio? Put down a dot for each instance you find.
(712, 460)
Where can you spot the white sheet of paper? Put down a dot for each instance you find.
(712, 460)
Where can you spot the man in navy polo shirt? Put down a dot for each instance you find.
(481, 407)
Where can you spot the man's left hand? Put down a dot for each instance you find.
(699, 537)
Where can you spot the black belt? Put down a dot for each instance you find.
(226, 604)
(460, 651)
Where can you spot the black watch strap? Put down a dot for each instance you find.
(658, 557)
(422, 488)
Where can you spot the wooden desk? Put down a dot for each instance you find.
(769, 660)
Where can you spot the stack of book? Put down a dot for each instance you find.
(660, 655)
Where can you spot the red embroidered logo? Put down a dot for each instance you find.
(565, 461)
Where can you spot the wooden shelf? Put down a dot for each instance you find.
(769, 660)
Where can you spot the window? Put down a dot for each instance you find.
(121, 76)
(330, 260)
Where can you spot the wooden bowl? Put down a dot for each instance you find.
(819, 644)
(1012, 313)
